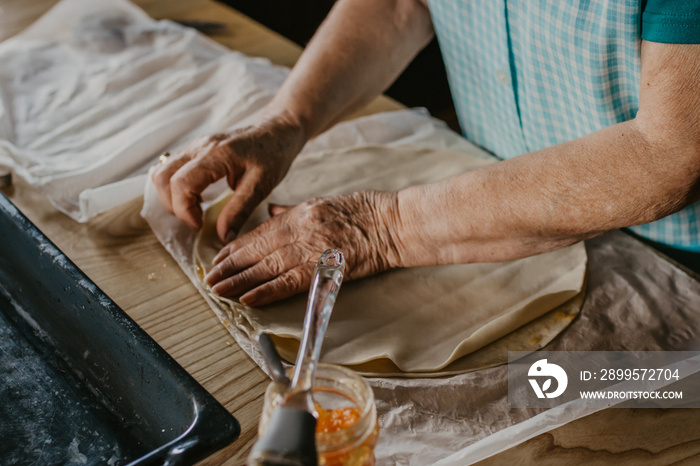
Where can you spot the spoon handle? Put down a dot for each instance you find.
(290, 437)
(324, 288)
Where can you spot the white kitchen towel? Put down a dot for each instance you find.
(95, 90)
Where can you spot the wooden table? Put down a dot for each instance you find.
(118, 251)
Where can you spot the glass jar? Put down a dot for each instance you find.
(337, 390)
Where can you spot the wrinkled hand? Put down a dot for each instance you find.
(277, 259)
(253, 160)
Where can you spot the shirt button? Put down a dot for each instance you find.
(503, 77)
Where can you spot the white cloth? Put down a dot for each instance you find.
(95, 90)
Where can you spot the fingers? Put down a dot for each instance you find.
(161, 179)
(264, 265)
(247, 194)
(290, 283)
(269, 268)
(251, 237)
(187, 184)
(277, 259)
(253, 248)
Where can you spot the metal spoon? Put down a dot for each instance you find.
(291, 433)
(273, 360)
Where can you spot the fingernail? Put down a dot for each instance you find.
(223, 254)
(218, 257)
(209, 279)
(216, 289)
(247, 299)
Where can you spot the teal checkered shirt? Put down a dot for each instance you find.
(529, 74)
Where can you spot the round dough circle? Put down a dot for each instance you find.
(426, 321)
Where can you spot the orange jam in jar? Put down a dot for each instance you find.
(346, 424)
(336, 419)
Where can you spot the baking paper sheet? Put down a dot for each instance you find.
(95, 90)
(635, 301)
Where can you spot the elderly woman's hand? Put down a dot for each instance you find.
(277, 259)
(253, 160)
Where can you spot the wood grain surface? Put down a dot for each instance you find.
(118, 252)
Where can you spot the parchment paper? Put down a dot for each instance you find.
(634, 301)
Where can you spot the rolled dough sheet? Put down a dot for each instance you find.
(420, 321)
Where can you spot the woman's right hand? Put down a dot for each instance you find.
(253, 159)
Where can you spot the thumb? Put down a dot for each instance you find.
(244, 200)
(276, 209)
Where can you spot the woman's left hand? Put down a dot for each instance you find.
(277, 259)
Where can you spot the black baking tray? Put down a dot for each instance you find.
(80, 381)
